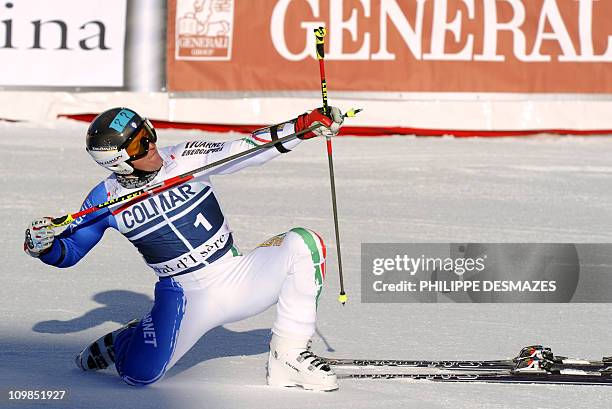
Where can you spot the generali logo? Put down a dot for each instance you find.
(447, 30)
(204, 29)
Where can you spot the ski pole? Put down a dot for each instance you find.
(320, 45)
(139, 195)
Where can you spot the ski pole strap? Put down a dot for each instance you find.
(274, 135)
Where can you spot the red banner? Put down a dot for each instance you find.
(523, 46)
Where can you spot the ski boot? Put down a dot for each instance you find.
(291, 363)
(101, 353)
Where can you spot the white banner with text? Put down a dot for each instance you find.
(62, 43)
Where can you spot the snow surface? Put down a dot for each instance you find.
(394, 189)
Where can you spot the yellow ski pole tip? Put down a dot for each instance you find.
(343, 298)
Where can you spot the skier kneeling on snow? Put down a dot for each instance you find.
(204, 281)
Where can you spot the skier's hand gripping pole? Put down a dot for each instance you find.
(320, 45)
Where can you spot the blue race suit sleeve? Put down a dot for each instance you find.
(81, 235)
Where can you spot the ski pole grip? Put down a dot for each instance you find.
(320, 42)
(62, 221)
(320, 49)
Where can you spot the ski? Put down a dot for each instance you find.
(587, 378)
(476, 365)
(538, 352)
(403, 363)
(534, 364)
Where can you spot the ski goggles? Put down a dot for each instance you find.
(137, 145)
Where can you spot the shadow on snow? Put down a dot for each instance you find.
(120, 306)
